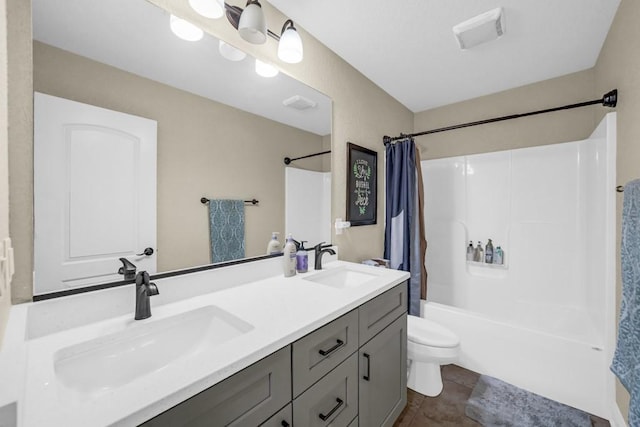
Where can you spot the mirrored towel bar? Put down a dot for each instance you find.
(252, 202)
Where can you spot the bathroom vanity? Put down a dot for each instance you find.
(223, 347)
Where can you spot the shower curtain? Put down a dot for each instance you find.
(404, 240)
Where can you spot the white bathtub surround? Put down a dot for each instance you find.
(429, 346)
(544, 322)
(259, 312)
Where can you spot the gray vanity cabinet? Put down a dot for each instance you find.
(351, 371)
(247, 398)
(383, 375)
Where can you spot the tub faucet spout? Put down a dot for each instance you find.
(144, 290)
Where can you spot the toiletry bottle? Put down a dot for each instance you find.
(289, 258)
(498, 257)
(274, 246)
(470, 251)
(478, 253)
(302, 259)
(488, 253)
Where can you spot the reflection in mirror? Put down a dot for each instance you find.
(133, 126)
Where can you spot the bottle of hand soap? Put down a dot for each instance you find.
(274, 246)
(302, 259)
(289, 258)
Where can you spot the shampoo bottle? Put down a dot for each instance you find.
(289, 258)
(488, 253)
(498, 257)
(274, 246)
(302, 259)
(470, 251)
(478, 253)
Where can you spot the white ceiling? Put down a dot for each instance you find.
(408, 48)
(134, 35)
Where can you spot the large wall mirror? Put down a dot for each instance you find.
(221, 133)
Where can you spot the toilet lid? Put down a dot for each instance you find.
(426, 332)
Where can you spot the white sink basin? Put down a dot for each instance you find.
(143, 347)
(342, 277)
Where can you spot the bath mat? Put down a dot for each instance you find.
(495, 403)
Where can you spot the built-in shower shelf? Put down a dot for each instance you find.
(485, 265)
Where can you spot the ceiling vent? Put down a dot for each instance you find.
(480, 29)
(299, 102)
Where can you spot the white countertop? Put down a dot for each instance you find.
(280, 311)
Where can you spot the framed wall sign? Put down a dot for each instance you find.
(362, 179)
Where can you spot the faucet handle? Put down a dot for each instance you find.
(128, 269)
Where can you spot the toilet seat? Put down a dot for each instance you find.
(425, 332)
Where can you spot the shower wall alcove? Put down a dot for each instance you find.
(545, 322)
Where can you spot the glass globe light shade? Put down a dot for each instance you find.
(213, 9)
(290, 46)
(185, 30)
(252, 26)
(231, 53)
(265, 70)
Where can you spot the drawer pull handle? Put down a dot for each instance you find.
(339, 343)
(368, 376)
(339, 403)
(284, 423)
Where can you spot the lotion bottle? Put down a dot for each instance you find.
(470, 251)
(274, 246)
(289, 258)
(302, 259)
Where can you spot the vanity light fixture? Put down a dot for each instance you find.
(184, 29)
(229, 52)
(213, 9)
(253, 26)
(265, 70)
(290, 44)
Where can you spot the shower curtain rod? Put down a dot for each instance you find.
(288, 160)
(609, 99)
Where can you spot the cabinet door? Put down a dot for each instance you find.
(376, 314)
(247, 398)
(383, 375)
(332, 401)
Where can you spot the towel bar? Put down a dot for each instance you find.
(254, 202)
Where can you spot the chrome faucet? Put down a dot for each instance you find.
(319, 250)
(128, 269)
(144, 290)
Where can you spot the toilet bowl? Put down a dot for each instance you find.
(429, 345)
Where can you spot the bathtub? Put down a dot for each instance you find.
(563, 369)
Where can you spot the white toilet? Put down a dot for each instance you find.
(429, 345)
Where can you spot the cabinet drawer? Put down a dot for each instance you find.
(378, 313)
(244, 399)
(331, 401)
(322, 350)
(284, 418)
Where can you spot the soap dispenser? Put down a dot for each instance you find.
(302, 258)
(289, 258)
(274, 246)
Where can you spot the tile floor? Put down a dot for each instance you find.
(447, 410)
